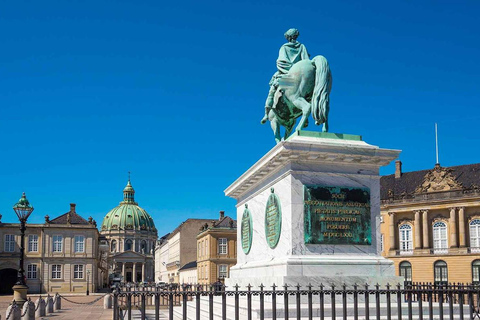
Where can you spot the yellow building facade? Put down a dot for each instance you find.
(216, 249)
(430, 223)
(61, 255)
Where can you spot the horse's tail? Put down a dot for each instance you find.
(321, 92)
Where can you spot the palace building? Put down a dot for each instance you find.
(216, 249)
(131, 235)
(61, 255)
(430, 223)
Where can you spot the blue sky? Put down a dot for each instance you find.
(174, 92)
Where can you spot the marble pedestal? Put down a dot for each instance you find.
(309, 158)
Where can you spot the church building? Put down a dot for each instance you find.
(131, 235)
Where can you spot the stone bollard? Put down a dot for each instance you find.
(28, 310)
(49, 304)
(13, 312)
(40, 306)
(57, 302)
(107, 302)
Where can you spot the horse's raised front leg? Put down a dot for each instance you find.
(306, 108)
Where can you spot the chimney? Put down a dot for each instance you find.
(72, 207)
(222, 215)
(398, 169)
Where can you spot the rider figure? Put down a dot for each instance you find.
(289, 54)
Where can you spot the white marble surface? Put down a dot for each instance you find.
(309, 161)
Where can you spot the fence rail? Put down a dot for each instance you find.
(409, 301)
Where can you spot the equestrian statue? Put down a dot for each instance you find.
(299, 88)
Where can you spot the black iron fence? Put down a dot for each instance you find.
(411, 301)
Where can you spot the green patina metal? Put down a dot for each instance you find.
(337, 215)
(326, 135)
(273, 219)
(300, 88)
(128, 215)
(247, 230)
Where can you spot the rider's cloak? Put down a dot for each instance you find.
(289, 54)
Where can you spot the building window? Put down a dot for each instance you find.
(440, 243)
(476, 271)
(128, 244)
(9, 243)
(56, 271)
(114, 246)
(222, 271)
(222, 246)
(57, 243)
(406, 271)
(198, 250)
(475, 234)
(78, 271)
(79, 243)
(406, 242)
(143, 247)
(32, 271)
(33, 243)
(440, 272)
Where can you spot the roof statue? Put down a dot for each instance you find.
(300, 87)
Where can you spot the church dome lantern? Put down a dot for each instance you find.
(128, 215)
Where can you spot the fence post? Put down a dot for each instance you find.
(377, 300)
(389, 306)
(197, 302)
(28, 310)
(49, 304)
(274, 302)
(399, 301)
(262, 301)
(13, 312)
(58, 302)
(224, 304)
(310, 313)
(129, 303)
(285, 301)
(184, 302)
(143, 307)
(297, 294)
(355, 302)
(115, 304)
(170, 305)
(40, 307)
(107, 301)
(322, 302)
(157, 305)
(332, 301)
(367, 301)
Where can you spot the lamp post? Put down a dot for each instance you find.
(23, 209)
(88, 276)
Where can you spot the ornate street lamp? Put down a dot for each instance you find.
(23, 209)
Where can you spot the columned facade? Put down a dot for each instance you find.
(431, 221)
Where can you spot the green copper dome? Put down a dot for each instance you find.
(128, 215)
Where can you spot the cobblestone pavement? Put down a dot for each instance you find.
(70, 310)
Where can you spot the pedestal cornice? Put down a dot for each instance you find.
(303, 147)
